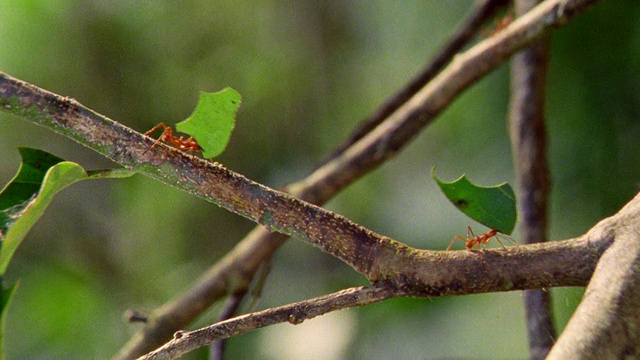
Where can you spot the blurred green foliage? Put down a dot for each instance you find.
(308, 72)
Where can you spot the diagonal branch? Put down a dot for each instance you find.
(566, 263)
(295, 314)
(481, 12)
(272, 209)
(392, 135)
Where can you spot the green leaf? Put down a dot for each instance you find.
(24, 200)
(35, 164)
(5, 299)
(213, 121)
(26, 197)
(57, 178)
(494, 207)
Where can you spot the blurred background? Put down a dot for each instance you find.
(308, 72)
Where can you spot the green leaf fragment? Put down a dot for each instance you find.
(213, 121)
(494, 207)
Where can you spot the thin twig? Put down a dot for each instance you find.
(481, 12)
(217, 347)
(529, 142)
(295, 314)
(392, 135)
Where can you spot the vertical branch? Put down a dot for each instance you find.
(528, 136)
(218, 347)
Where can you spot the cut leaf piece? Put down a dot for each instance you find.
(213, 121)
(494, 207)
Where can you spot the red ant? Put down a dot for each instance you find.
(473, 240)
(500, 24)
(190, 144)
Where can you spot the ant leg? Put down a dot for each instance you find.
(470, 234)
(498, 240)
(456, 238)
(167, 134)
(160, 125)
(505, 237)
(508, 238)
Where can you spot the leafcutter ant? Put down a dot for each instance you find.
(189, 144)
(499, 25)
(472, 240)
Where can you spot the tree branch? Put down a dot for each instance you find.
(482, 11)
(274, 210)
(391, 136)
(605, 324)
(238, 194)
(607, 314)
(295, 314)
(529, 142)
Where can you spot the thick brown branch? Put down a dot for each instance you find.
(609, 317)
(605, 325)
(275, 210)
(567, 263)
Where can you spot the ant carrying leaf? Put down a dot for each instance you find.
(493, 206)
(498, 25)
(472, 240)
(211, 122)
(189, 144)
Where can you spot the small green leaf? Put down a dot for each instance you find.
(26, 197)
(24, 200)
(6, 295)
(35, 164)
(57, 178)
(494, 207)
(213, 121)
